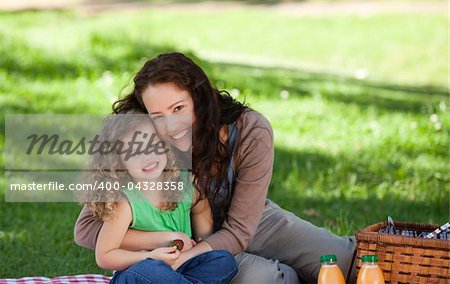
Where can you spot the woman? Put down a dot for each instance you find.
(232, 160)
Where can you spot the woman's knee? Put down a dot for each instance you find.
(256, 269)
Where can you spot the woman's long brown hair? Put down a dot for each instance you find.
(212, 109)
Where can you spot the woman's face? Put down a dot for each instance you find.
(172, 112)
(143, 164)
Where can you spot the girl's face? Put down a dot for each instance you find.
(172, 112)
(143, 166)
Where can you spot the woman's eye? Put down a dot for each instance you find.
(178, 108)
(157, 117)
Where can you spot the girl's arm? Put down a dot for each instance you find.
(108, 253)
(136, 240)
(87, 229)
(202, 219)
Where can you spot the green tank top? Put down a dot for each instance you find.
(147, 217)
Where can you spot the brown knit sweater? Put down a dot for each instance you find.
(253, 158)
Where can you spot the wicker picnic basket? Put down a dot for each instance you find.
(406, 259)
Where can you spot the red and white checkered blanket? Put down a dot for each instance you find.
(79, 279)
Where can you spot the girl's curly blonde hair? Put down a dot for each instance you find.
(106, 167)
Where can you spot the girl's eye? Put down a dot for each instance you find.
(157, 117)
(178, 108)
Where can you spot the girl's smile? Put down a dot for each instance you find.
(150, 167)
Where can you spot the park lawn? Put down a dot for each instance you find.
(388, 47)
(348, 152)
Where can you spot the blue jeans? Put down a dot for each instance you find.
(216, 266)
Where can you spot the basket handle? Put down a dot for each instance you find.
(389, 225)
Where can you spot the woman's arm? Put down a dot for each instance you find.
(254, 155)
(253, 169)
(202, 219)
(87, 229)
(108, 253)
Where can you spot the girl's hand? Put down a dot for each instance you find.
(167, 254)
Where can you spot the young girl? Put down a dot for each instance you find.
(149, 198)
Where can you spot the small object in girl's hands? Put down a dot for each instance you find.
(177, 243)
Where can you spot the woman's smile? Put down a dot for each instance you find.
(180, 134)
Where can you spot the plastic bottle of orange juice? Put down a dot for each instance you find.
(370, 273)
(330, 273)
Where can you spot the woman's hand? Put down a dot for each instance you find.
(167, 254)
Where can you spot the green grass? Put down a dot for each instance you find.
(348, 152)
(400, 48)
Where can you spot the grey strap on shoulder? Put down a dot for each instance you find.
(232, 138)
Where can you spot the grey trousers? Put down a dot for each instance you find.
(287, 249)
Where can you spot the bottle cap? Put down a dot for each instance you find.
(328, 258)
(369, 258)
